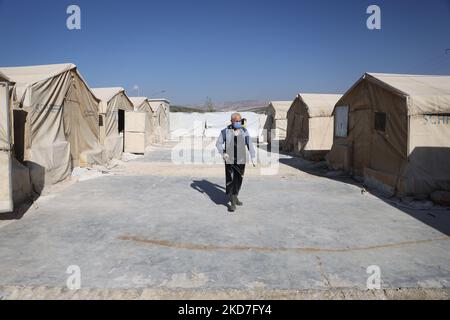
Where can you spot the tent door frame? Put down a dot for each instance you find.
(8, 204)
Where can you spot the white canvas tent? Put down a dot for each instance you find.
(55, 121)
(310, 125)
(393, 130)
(277, 120)
(141, 104)
(161, 118)
(3, 78)
(113, 104)
(15, 184)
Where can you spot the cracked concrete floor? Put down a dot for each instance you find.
(152, 225)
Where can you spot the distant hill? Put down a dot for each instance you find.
(257, 106)
(185, 109)
(245, 105)
(255, 110)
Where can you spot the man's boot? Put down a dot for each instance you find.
(238, 203)
(232, 206)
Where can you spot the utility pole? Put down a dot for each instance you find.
(137, 89)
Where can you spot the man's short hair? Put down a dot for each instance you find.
(236, 115)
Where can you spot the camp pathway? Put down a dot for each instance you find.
(163, 229)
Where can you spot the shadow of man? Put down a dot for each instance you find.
(214, 191)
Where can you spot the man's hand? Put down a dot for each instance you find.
(226, 157)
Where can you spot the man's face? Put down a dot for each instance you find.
(236, 119)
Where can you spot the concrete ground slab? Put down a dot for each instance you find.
(172, 233)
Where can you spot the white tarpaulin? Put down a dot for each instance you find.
(183, 124)
(210, 124)
(217, 121)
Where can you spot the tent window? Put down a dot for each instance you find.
(341, 118)
(100, 120)
(380, 121)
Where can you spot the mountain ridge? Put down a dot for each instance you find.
(258, 106)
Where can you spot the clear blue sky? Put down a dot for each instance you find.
(228, 49)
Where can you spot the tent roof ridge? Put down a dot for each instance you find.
(138, 101)
(107, 93)
(319, 104)
(28, 75)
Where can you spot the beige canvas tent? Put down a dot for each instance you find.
(394, 131)
(161, 118)
(6, 192)
(3, 78)
(113, 104)
(276, 121)
(55, 121)
(310, 125)
(15, 183)
(141, 104)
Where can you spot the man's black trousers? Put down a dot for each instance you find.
(234, 174)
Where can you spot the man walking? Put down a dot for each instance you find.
(232, 144)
